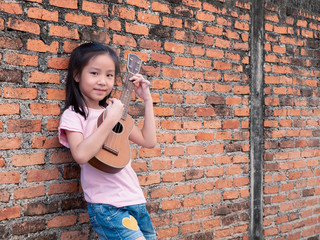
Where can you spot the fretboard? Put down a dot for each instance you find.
(126, 94)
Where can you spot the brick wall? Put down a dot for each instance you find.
(292, 176)
(196, 54)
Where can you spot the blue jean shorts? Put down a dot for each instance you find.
(124, 223)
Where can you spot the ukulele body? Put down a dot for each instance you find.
(115, 153)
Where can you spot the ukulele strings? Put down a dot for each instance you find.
(125, 98)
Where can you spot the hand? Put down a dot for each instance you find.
(141, 87)
(114, 110)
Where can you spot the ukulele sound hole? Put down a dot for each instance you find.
(118, 128)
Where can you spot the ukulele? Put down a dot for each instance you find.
(115, 152)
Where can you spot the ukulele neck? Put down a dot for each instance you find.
(126, 94)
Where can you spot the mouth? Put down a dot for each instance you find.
(100, 91)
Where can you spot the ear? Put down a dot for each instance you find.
(76, 77)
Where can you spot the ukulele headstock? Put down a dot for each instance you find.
(134, 63)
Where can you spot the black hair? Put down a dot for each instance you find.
(79, 58)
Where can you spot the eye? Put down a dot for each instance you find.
(94, 73)
(109, 75)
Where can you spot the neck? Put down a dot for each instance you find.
(126, 95)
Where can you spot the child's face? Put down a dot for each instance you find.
(97, 79)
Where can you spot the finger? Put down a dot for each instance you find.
(136, 77)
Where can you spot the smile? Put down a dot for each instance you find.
(100, 90)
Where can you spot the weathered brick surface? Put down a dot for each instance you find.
(197, 56)
(291, 179)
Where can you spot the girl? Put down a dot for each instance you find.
(116, 204)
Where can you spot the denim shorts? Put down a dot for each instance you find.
(124, 223)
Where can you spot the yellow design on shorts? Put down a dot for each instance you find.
(130, 223)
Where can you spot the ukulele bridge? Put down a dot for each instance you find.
(109, 149)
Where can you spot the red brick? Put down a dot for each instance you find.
(64, 32)
(62, 221)
(148, 18)
(150, 44)
(241, 26)
(189, 228)
(171, 72)
(160, 7)
(173, 151)
(194, 99)
(27, 159)
(24, 125)
(183, 36)
(185, 137)
(241, 46)
(56, 94)
(9, 177)
(43, 14)
(10, 7)
(37, 175)
(213, 76)
(173, 47)
(230, 195)
(10, 143)
(192, 3)
(160, 164)
(76, 235)
(139, 3)
(68, 187)
(203, 63)
(109, 24)
(24, 26)
(136, 29)
(123, 13)
(78, 19)
(272, 17)
(61, 157)
(124, 40)
(43, 142)
(168, 232)
(22, 59)
(170, 204)
(205, 112)
(4, 195)
(192, 125)
(153, 152)
(186, 86)
(149, 180)
(204, 39)
(69, 46)
(10, 43)
(30, 192)
(72, 4)
(41, 77)
(10, 213)
(20, 93)
(182, 61)
(182, 217)
(58, 63)
(40, 46)
(221, 65)
(160, 58)
(172, 22)
(230, 124)
(44, 109)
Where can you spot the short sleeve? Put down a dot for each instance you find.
(70, 121)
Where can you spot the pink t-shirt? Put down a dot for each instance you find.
(120, 189)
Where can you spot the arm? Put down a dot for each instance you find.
(83, 150)
(145, 137)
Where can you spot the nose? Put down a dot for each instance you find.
(102, 80)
